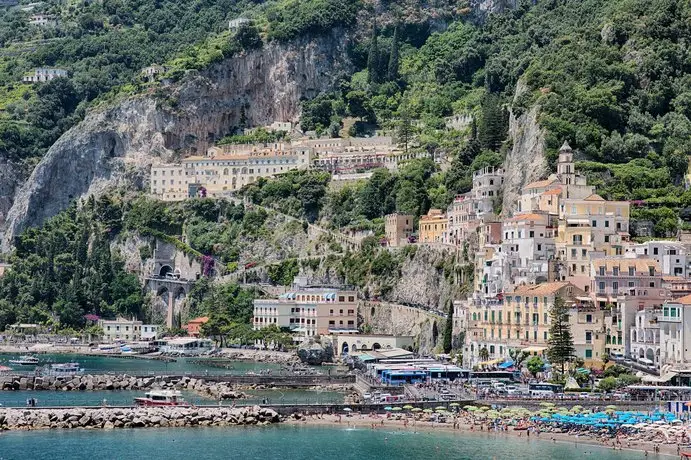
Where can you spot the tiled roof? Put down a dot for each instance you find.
(541, 183)
(554, 191)
(530, 216)
(594, 197)
(641, 265)
(686, 300)
(540, 289)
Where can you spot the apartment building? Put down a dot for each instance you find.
(309, 311)
(528, 245)
(433, 227)
(398, 229)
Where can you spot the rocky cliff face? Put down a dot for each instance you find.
(11, 175)
(526, 162)
(116, 145)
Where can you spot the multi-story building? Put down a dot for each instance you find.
(674, 322)
(234, 24)
(528, 246)
(43, 20)
(150, 331)
(398, 229)
(645, 335)
(433, 227)
(671, 255)
(218, 174)
(588, 327)
(516, 320)
(309, 311)
(676, 286)
(587, 226)
(43, 74)
(120, 329)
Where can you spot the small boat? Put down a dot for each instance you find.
(63, 369)
(161, 398)
(26, 360)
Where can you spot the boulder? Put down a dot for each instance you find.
(314, 352)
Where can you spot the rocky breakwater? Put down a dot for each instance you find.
(110, 418)
(220, 390)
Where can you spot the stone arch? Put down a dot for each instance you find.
(344, 348)
(641, 353)
(354, 347)
(364, 348)
(371, 311)
(165, 269)
(650, 354)
(657, 356)
(634, 335)
(376, 346)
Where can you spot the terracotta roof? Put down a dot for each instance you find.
(530, 216)
(641, 265)
(594, 197)
(540, 289)
(686, 300)
(541, 183)
(200, 320)
(554, 191)
(674, 278)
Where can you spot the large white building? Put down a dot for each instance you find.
(43, 74)
(121, 329)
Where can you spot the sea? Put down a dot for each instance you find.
(287, 442)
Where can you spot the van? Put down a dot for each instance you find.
(384, 397)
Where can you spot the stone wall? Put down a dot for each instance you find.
(388, 318)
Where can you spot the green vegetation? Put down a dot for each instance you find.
(259, 135)
(66, 270)
(561, 350)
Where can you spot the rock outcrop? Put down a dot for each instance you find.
(116, 145)
(526, 162)
(110, 418)
(315, 353)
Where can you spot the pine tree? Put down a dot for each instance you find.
(561, 349)
(374, 60)
(493, 127)
(392, 73)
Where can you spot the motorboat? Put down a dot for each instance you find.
(63, 369)
(26, 360)
(161, 398)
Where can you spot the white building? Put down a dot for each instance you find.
(43, 20)
(528, 245)
(645, 336)
(120, 329)
(675, 335)
(234, 24)
(43, 74)
(671, 255)
(150, 331)
(188, 346)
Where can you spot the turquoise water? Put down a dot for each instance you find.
(126, 398)
(285, 443)
(119, 365)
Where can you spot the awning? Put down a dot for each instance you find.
(661, 379)
(490, 362)
(366, 358)
(506, 364)
(534, 349)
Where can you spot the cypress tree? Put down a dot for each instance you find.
(392, 73)
(374, 60)
(448, 331)
(493, 126)
(561, 349)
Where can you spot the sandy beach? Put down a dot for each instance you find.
(381, 422)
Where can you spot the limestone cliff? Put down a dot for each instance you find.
(526, 162)
(117, 144)
(11, 175)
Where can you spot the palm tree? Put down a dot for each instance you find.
(484, 354)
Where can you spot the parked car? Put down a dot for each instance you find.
(366, 396)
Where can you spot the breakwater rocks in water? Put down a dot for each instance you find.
(220, 390)
(109, 418)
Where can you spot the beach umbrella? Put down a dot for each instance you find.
(547, 404)
(347, 409)
(470, 408)
(408, 407)
(484, 408)
(397, 409)
(428, 411)
(416, 409)
(388, 408)
(454, 404)
(440, 408)
(5, 368)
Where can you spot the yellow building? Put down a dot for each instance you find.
(520, 320)
(589, 225)
(433, 226)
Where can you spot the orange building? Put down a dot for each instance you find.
(194, 326)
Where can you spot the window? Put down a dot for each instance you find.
(615, 286)
(351, 298)
(588, 353)
(539, 247)
(606, 224)
(602, 271)
(602, 286)
(588, 319)
(341, 298)
(615, 271)
(651, 271)
(544, 336)
(655, 251)
(532, 234)
(594, 224)
(606, 238)
(632, 271)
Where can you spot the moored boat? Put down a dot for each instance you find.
(26, 360)
(161, 398)
(63, 369)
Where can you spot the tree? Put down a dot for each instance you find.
(483, 354)
(535, 365)
(404, 129)
(392, 71)
(374, 59)
(448, 330)
(518, 357)
(608, 384)
(561, 350)
(493, 127)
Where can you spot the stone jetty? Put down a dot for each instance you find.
(113, 417)
(214, 390)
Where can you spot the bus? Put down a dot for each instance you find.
(499, 376)
(542, 389)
